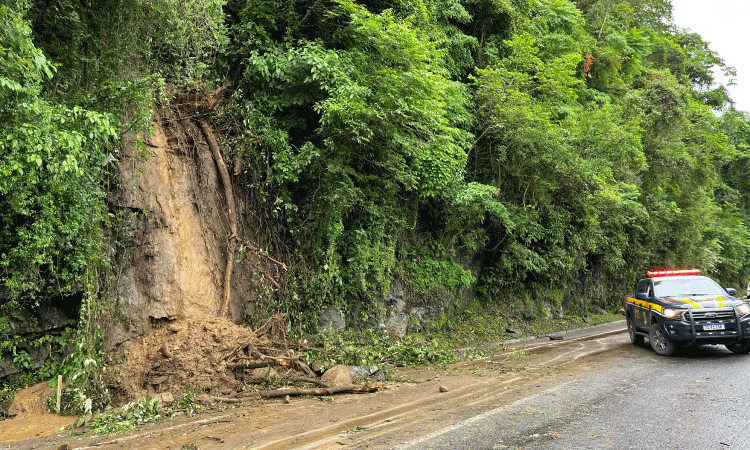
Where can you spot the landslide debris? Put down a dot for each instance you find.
(213, 356)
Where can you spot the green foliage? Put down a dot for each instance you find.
(592, 153)
(84, 390)
(125, 418)
(21, 63)
(368, 348)
(56, 158)
(52, 201)
(432, 273)
(22, 360)
(15, 348)
(186, 37)
(52, 160)
(572, 161)
(380, 135)
(118, 41)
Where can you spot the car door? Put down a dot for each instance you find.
(644, 291)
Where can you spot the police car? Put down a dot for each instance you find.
(680, 307)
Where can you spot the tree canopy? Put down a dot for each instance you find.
(562, 147)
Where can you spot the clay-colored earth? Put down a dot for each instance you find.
(430, 396)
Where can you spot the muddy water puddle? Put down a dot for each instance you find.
(31, 418)
(31, 425)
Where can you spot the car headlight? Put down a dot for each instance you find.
(674, 314)
(743, 309)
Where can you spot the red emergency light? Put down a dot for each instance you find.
(672, 272)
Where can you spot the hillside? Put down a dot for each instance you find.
(358, 165)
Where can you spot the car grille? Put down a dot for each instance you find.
(725, 316)
(711, 316)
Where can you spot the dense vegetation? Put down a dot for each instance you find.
(567, 146)
(562, 147)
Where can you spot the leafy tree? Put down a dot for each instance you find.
(52, 164)
(368, 128)
(557, 141)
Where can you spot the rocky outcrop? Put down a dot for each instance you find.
(27, 325)
(402, 310)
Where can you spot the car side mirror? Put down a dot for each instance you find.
(642, 296)
(731, 291)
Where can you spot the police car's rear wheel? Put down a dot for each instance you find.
(636, 339)
(740, 347)
(661, 345)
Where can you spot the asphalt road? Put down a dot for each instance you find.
(624, 397)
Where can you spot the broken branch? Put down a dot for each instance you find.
(263, 395)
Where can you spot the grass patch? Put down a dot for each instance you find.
(368, 348)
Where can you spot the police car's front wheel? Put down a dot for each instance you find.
(740, 347)
(661, 345)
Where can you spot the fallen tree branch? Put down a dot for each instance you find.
(299, 365)
(255, 248)
(345, 388)
(274, 282)
(252, 337)
(255, 364)
(263, 395)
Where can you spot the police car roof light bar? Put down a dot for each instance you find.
(672, 273)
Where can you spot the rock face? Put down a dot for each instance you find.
(28, 324)
(406, 311)
(174, 254)
(401, 310)
(331, 320)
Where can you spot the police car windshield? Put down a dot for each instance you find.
(685, 287)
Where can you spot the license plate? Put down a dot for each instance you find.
(718, 326)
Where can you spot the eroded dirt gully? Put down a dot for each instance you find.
(411, 405)
(180, 289)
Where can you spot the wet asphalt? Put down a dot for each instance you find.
(624, 397)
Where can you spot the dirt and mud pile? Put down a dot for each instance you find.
(213, 356)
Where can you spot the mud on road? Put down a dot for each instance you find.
(417, 401)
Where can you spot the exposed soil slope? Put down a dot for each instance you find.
(183, 228)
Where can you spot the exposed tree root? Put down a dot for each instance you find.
(231, 213)
(196, 106)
